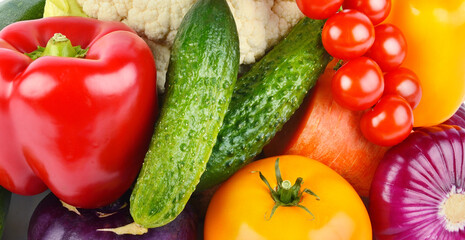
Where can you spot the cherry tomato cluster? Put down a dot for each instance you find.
(371, 77)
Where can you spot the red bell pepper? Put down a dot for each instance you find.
(77, 123)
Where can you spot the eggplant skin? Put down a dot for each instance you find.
(5, 197)
(52, 221)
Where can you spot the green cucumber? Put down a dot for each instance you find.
(18, 10)
(265, 98)
(5, 197)
(201, 76)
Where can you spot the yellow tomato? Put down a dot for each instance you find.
(242, 206)
(435, 33)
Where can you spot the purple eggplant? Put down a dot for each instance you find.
(54, 220)
(418, 191)
(5, 197)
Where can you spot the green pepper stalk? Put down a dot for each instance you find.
(60, 46)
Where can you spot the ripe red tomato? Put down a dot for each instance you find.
(403, 82)
(390, 47)
(348, 34)
(389, 122)
(319, 9)
(376, 10)
(358, 84)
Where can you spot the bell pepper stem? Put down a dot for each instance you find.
(59, 46)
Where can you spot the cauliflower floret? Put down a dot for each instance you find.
(260, 23)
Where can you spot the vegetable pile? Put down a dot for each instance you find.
(261, 24)
(228, 119)
(367, 51)
(203, 69)
(325, 131)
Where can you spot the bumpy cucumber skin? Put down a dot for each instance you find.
(265, 98)
(201, 77)
(18, 10)
(5, 197)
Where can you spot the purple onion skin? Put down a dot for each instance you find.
(52, 221)
(413, 180)
(458, 118)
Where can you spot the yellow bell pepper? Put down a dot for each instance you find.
(55, 8)
(435, 33)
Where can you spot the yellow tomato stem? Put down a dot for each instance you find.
(285, 194)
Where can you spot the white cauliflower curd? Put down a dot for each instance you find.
(260, 23)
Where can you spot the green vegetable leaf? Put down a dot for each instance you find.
(37, 53)
(80, 53)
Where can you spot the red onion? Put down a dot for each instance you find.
(458, 118)
(418, 192)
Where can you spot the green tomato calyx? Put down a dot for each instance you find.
(285, 194)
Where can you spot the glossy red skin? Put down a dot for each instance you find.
(411, 182)
(389, 122)
(405, 83)
(348, 34)
(390, 47)
(358, 84)
(319, 9)
(80, 127)
(376, 10)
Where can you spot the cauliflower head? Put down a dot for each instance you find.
(260, 24)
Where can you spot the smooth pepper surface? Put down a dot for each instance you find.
(79, 126)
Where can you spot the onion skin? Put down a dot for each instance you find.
(52, 221)
(458, 118)
(412, 181)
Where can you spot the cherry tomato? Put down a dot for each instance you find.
(376, 10)
(403, 82)
(242, 207)
(319, 9)
(390, 47)
(358, 84)
(389, 122)
(348, 34)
